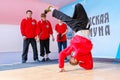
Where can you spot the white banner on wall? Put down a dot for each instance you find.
(104, 17)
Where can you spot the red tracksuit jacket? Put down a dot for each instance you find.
(44, 29)
(82, 48)
(61, 29)
(28, 27)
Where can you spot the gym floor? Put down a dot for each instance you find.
(50, 71)
(101, 71)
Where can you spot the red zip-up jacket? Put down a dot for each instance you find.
(28, 27)
(81, 47)
(44, 29)
(61, 29)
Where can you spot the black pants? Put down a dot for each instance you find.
(44, 47)
(26, 47)
(62, 44)
(74, 24)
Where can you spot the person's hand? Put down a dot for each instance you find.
(62, 34)
(57, 33)
(62, 70)
(37, 39)
(24, 37)
(53, 39)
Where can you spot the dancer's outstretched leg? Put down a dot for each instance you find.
(74, 24)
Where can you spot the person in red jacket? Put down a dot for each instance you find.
(80, 44)
(44, 31)
(80, 51)
(28, 30)
(61, 29)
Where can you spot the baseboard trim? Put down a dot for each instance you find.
(106, 60)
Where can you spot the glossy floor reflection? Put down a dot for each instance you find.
(101, 71)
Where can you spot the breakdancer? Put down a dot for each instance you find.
(80, 44)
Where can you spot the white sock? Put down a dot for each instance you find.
(52, 9)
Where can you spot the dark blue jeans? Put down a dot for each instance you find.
(62, 44)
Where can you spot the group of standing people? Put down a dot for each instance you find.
(32, 31)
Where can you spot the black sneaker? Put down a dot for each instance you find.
(43, 60)
(47, 59)
(37, 60)
(23, 61)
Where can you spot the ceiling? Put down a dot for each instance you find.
(59, 3)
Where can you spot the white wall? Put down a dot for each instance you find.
(10, 38)
(11, 41)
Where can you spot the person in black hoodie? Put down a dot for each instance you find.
(80, 44)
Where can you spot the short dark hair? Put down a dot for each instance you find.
(28, 11)
(43, 15)
(73, 63)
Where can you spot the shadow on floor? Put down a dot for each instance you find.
(25, 65)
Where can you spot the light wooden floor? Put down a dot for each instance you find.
(101, 71)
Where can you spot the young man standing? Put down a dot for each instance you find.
(61, 29)
(44, 32)
(28, 30)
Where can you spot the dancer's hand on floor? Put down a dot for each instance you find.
(62, 70)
